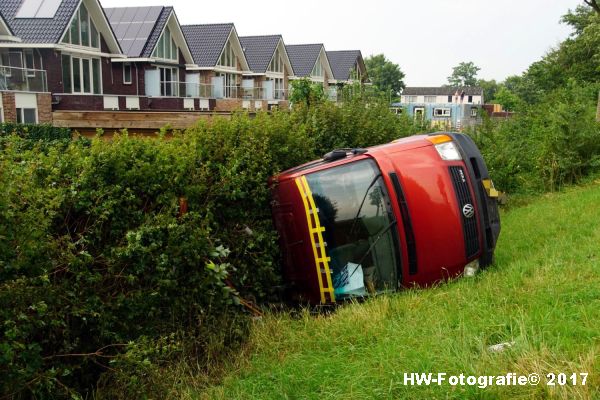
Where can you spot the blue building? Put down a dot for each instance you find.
(450, 108)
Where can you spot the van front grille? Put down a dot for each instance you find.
(463, 196)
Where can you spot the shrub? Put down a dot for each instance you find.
(122, 255)
(546, 146)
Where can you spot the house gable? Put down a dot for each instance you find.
(5, 31)
(347, 65)
(149, 32)
(43, 30)
(309, 60)
(171, 30)
(214, 45)
(266, 54)
(322, 68)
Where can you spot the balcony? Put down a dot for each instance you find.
(209, 91)
(23, 79)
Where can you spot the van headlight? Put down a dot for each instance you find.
(445, 147)
(448, 151)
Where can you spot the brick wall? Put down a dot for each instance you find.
(8, 105)
(228, 104)
(44, 105)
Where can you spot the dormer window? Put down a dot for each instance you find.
(317, 69)
(82, 31)
(166, 47)
(276, 64)
(228, 58)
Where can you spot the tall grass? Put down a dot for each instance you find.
(542, 295)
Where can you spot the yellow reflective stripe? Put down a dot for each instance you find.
(489, 187)
(315, 229)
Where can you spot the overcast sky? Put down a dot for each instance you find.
(426, 38)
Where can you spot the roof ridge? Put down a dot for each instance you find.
(257, 36)
(220, 23)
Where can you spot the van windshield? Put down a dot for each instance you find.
(354, 208)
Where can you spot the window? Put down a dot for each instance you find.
(355, 74)
(450, 99)
(430, 99)
(230, 84)
(168, 81)
(166, 47)
(26, 115)
(441, 112)
(82, 30)
(354, 209)
(228, 58)
(29, 62)
(470, 99)
(127, 73)
(81, 75)
(276, 64)
(317, 69)
(474, 112)
(410, 99)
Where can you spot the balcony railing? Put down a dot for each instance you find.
(205, 90)
(23, 79)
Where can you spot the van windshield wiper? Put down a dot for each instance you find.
(362, 203)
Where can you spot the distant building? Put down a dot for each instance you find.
(348, 67)
(446, 107)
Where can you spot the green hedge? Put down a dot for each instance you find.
(34, 132)
(101, 271)
(545, 146)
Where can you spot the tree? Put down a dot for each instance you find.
(594, 4)
(489, 89)
(464, 74)
(307, 92)
(509, 100)
(385, 76)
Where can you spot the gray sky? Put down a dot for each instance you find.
(426, 38)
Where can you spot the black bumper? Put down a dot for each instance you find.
(489, 221)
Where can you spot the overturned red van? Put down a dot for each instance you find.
(362, 221)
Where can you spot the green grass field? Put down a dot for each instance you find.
(543, 294)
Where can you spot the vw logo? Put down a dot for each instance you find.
(468, 210)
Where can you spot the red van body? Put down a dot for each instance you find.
(361, 221)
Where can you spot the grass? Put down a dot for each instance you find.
(543, 294)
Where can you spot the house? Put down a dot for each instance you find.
(446, 107)
(348, 67)
(310, 61)
(152, 76)
(58, 47)
(271, 68)
(220, 63)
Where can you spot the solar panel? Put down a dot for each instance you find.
(48, 9)
(38, 9)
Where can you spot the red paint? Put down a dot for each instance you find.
(433, 206)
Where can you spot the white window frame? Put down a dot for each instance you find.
(411, 99)
(20, 112)
(81, 76)
(444, 112)
(91, 30)
(474, 112)
(317, 70)
(173, 50)
(276, 64)
(430, 99)
(125, 81)
(174, 83)
(228, 58)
